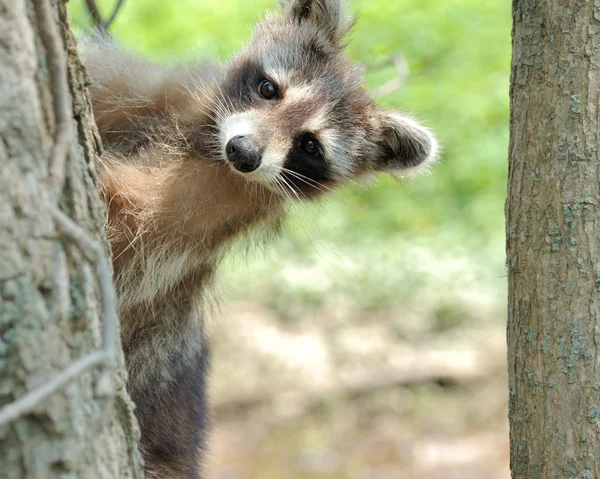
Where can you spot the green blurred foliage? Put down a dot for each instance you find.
(458, 54)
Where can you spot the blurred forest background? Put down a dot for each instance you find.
(368, 342)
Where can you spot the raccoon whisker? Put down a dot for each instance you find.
(280, 188)
(217, 117)
(208, 125)
(277, 186)
(291, 188)
(271, 177)
(312, 185)
(212, 106)
(307, 180)
(227, 106)
(210, 138)
(272, 174)
(222, 95)
(197, 98)
(271, 196)
(198, 84)
(209, 135)
(353, 182)
(284, 191)
(222, 108)
(200, 89)
(256, 190)
(261, 193)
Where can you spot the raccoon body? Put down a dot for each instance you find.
(197, 155)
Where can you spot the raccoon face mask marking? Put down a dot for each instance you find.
(293, 82)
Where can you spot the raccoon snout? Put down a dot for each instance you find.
(243, 154)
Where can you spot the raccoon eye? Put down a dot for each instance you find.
(312, 147)
(267, 90)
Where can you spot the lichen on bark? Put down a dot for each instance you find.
(553, 240)
(49, 310)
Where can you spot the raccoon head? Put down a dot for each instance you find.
(292, 112)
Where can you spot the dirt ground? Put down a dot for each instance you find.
(356, 401)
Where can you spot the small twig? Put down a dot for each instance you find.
(94, 254)
(107, 356)
(28, 402)
(402, 74)
(95, 14)
(107, 23)
(102, 25)
(57, 65)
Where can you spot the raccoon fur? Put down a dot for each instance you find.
(197, 155)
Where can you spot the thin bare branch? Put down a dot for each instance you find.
(57, 65)
(95, 14)
(398, 81)
(107, 23)
(28, 403)
(94, 254)
(106, 357)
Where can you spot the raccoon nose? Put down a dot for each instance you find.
(242, 154)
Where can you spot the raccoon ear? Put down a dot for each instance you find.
(402, 144)
(329, 15)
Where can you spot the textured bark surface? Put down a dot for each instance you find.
(49, 309)
(553, 247)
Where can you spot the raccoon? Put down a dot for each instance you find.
(197, 155)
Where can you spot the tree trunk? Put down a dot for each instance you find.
(553, 246)
(49, 300)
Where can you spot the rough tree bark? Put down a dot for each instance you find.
(553, 240)
(49, 307)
